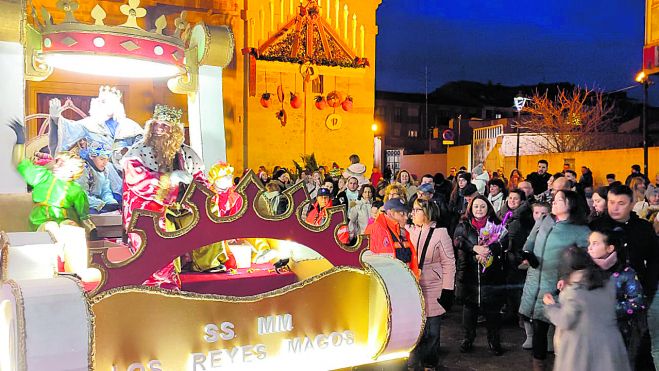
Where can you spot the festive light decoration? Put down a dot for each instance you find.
(308, 38)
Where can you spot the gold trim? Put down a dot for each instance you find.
(222, 298)
(164, 186)
(4, 256)
(248, 179)
(111, 30)
(20, 323)
(419, 291)
(91, 351)
(387, 297)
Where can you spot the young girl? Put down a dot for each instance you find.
(585, 315)
(605, 249)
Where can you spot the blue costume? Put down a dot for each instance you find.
(114, 130)
(96, 182)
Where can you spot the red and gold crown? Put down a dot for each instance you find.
(125, 40)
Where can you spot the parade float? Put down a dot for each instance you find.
(298, 298)
(335, 306)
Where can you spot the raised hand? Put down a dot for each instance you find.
(54, 108)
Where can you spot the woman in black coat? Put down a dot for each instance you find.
(519, 224)
(481, 285)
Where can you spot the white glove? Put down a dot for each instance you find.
(180, 176)
(54, 108)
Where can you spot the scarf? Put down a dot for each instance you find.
(478, 224)
(607, 262)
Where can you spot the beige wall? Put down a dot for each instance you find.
(617, 161)
(458, 156)
(424, 164)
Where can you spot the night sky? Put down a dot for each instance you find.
(597, 43)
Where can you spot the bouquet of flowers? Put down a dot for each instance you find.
(492, 233)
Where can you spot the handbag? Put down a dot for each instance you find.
(425, 247)
(402, 253)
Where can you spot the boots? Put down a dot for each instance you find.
(495, 346)
(539, 364)
(528, 343)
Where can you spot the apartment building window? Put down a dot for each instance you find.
(413, 113)
(396, 130)
(398, 114)
(412, 133)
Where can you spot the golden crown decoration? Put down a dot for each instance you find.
(107, 90)
(124, 40)
(167, 114)
(219, 170)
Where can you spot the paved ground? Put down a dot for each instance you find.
(512, 337)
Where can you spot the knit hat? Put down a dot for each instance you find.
(469, 190)
(465, 176)
(278, 173)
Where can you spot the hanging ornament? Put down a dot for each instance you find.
(321, 103)
(296, 102)
(282, 117)
(347, 104)
(334, 99)
(265, 100)
(265, 97)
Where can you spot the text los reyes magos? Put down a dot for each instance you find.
(252, 352)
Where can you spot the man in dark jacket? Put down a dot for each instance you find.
(426, 191)
(586, 179)
(636, 172)
(641, 246)
(540, 178)
(638, 236)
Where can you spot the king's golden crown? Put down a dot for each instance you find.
(126, 39)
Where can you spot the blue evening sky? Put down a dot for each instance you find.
(597, 43)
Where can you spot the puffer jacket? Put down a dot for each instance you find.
(438, 271)
(381, 242)
(358, 217)
(547, 241)
(474, 285)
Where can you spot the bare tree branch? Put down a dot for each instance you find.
(568, 122)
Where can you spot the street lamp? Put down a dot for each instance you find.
(644, 79)
(519, 106)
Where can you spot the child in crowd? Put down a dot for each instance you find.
(540, 209)
(605, 249)
(585, 315)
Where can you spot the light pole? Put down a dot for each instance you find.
(519, 106)
(644, 79)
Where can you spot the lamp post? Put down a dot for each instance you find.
(644, 79)
(519, 106)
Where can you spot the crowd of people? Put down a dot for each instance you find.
(575, 266)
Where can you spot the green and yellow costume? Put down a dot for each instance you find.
(53, 198)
